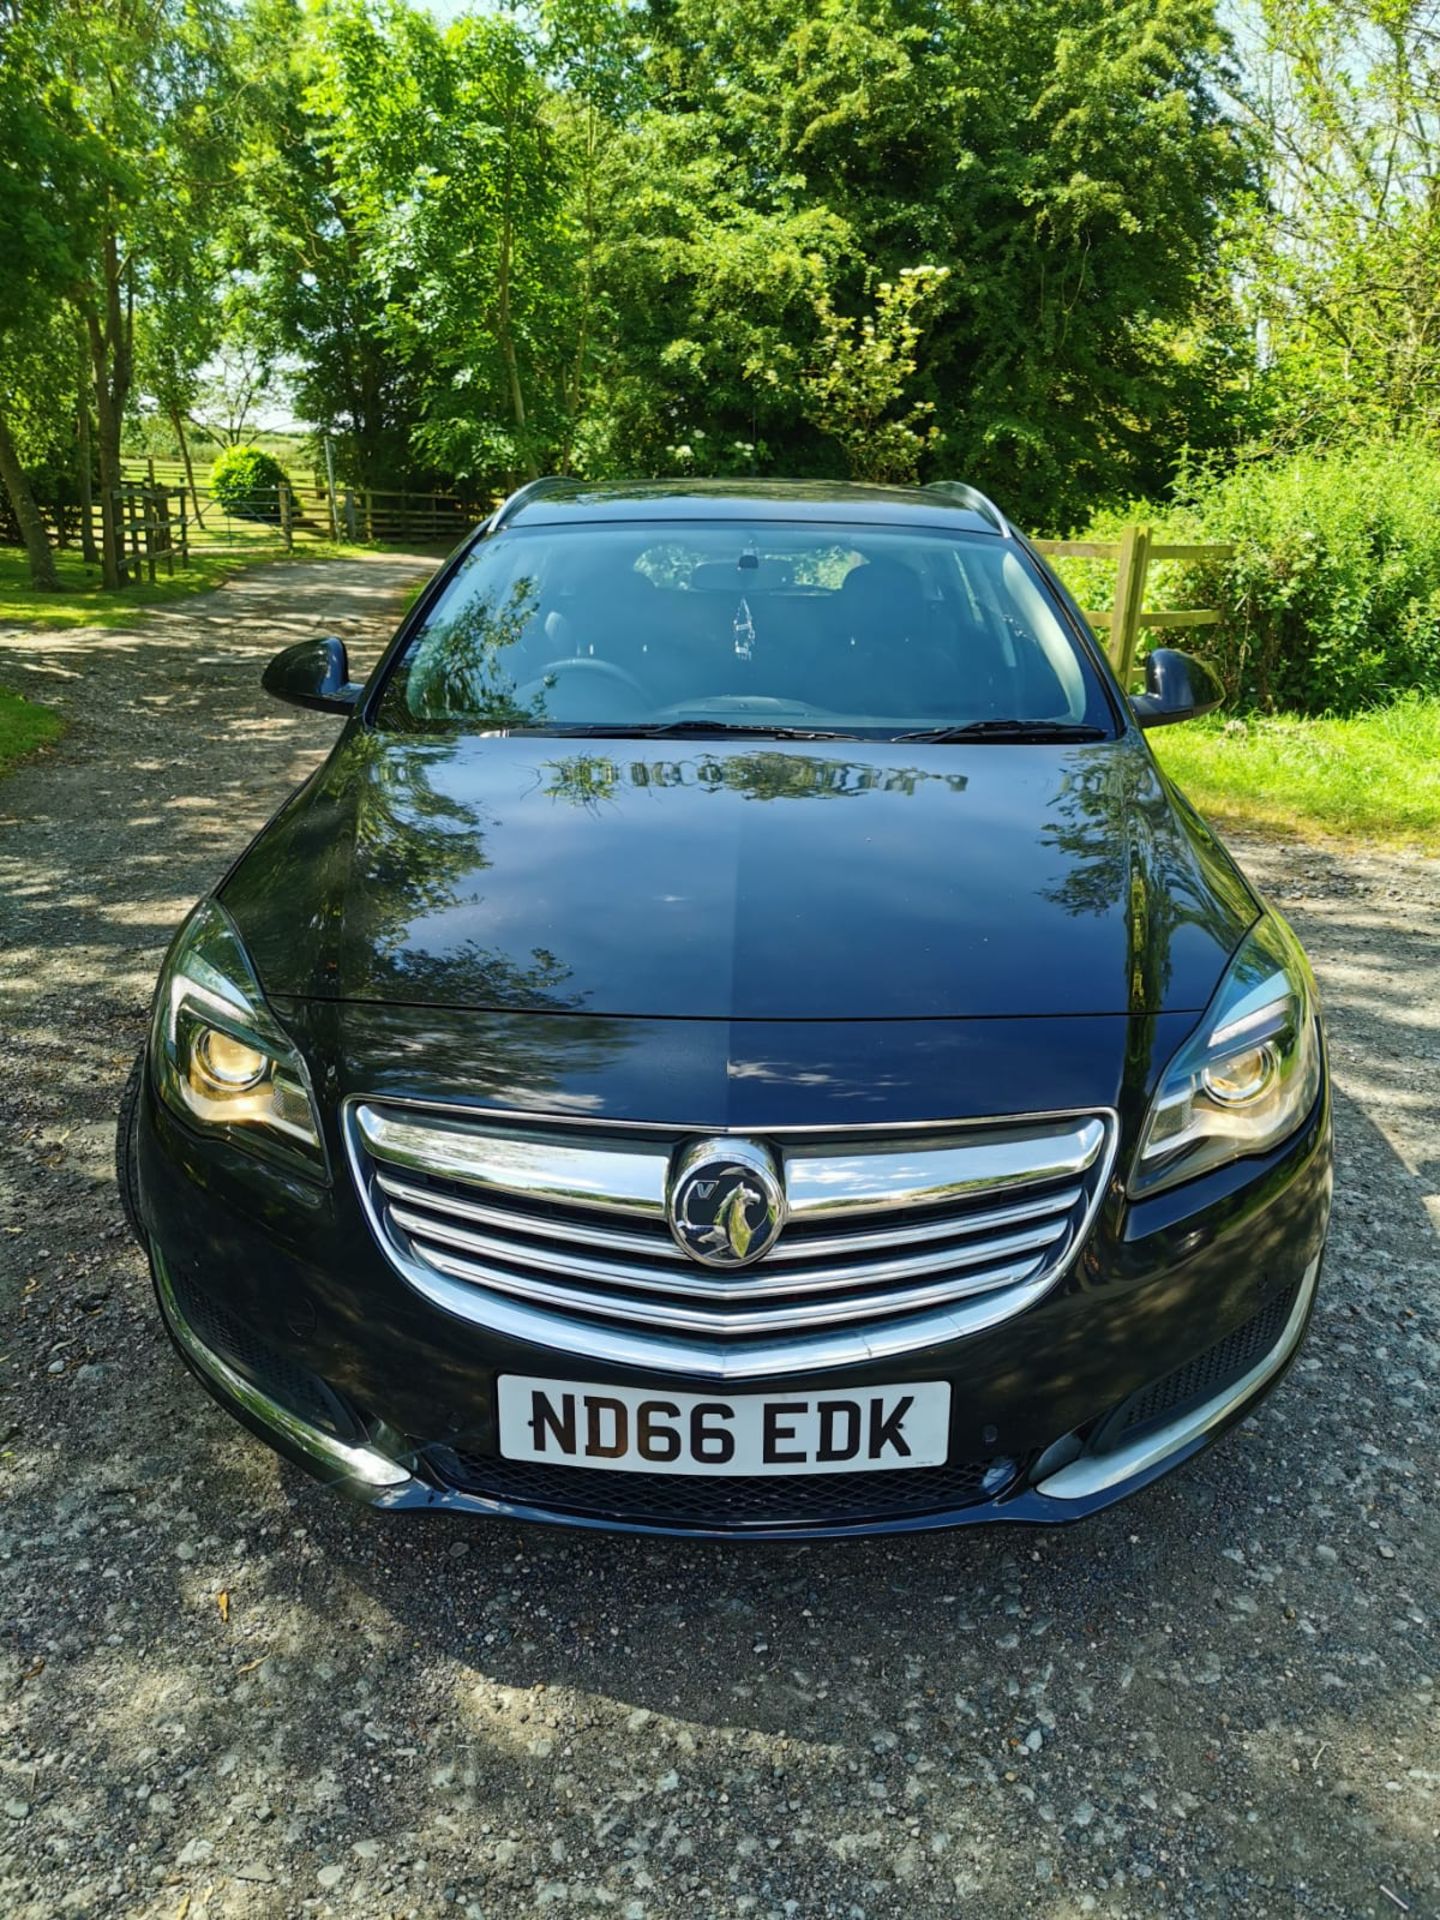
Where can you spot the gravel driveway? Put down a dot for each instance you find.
(223, 1691)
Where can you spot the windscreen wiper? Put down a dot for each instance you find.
(673, 729)
(1018, 730)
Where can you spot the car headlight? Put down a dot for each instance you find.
(1247, 1077)
(218, 1054)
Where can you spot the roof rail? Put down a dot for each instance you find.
(976, 501)
(509, 507)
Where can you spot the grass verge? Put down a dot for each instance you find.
(83, 602)
(1374, 776)
(23, 727)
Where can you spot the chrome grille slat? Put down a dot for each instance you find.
(735, 1321)
(556, 1232)
(887, 1178)
(523, 1163)
(656, 1245)
(909, 1232)
(709, 1285)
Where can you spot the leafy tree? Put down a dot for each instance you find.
(1340, 256)
(1067, 160)
(861, 373)
(713, 290)
(304, 238)
(53, 174)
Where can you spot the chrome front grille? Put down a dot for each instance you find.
(558, 1234)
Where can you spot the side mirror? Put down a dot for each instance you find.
(1177, 687)
(315, 673)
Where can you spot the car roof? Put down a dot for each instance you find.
(558, 502)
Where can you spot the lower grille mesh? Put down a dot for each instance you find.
(283, 1379)
(714, 1503)
(1209, 1373)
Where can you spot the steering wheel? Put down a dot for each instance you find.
(580, 663)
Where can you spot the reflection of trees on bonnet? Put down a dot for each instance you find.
(415, 850)
(1114, 826)
(463, 668)
(585, 779)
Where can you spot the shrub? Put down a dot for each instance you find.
(246, 482)
(1332, 601)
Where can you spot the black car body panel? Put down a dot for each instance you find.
(509, 928)
(893, 881)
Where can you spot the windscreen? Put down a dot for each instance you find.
(871, 631)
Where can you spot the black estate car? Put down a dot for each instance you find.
(738, 1037)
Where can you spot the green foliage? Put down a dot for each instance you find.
(24, 726)
(860, 375)
(1331, 602)
(617, 237)
(1375, 774)
(1066, 160)
(1339, 254)
(246, 481)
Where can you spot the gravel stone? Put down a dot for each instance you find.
(1232, 1683)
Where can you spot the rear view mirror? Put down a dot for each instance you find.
(1177, 687)
(314, 673)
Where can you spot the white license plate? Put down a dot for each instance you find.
(638, 1430)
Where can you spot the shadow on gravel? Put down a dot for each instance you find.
(220, 1683)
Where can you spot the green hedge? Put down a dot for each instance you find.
(246, 481)
(1332, 601)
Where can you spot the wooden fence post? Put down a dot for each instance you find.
(1134, 562)
(128, 504)
(287, 532)
(369, 516)
(330, 489)
(184, 531)
(164, 538)
(150, 517)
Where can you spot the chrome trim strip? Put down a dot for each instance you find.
(818, 1184)
(712, 1360)
(521, 1118)
(823, 1186)
(735, 1324)
(763, 1283)
(365, 1464)
(522, 1163)
(1096, 1473)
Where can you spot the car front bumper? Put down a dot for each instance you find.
(1174, 1319)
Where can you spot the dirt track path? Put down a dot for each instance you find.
(1219, 1700)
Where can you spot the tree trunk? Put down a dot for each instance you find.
(85, 476)
(111, 358)
(32, 527)
(502, 314)
(575, 395)
(178, 423)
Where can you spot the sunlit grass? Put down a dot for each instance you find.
(24, 726)
(1373, 776)
(83, 602)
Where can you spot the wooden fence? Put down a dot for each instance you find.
(316, 510)
(1126, 618)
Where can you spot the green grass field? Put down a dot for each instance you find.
(1375, 776)
(24, 726)
(83, 602)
